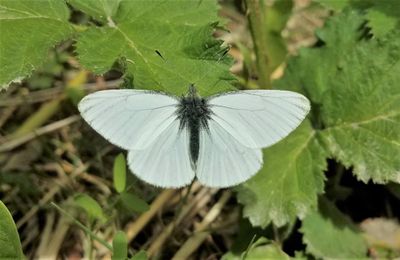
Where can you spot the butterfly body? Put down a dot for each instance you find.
(171, 141)
(194, 114)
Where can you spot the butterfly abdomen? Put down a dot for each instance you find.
(194, 114)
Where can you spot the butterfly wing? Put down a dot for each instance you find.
(259, 118)
(165, 162)
(241, 123)
(130, 119)
(223, 161)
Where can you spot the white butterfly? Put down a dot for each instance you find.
(217, 139)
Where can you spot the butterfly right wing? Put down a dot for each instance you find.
(259, 118)
(129, 118)
(166, 162)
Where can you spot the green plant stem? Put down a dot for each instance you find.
(255, 16)
(83, 227)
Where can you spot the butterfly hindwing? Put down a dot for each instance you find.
(165, 162)
(223, 161)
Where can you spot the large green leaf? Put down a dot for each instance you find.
(352, 82)
(163, 45)
(10, 245)
(288, 184)
(329, 234)
(361, 111)
(28, 30)
(313, 70)
(101, 10)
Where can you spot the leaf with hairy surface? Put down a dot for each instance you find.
(329, 234)
(163, 45)
(288, 184)
(28, 30)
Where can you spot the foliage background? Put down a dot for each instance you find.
(329, 190)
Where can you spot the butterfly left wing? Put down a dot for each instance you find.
(129, 118)
(223, 161)
(165, 162)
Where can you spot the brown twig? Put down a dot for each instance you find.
(201, 232)
(15, 142)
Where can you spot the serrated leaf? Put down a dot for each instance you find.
(119, 173)
(120, 246)
(329, 234)
(361, 111)
(288, 184)
(28, 30)
(163, 45)
(10, 245)
(313, 70)
(380, 23)
(101, 10)
(91, 207)
(133, 203)
(383, 17)
(353, 85)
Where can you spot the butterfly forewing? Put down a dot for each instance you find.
(259, 118)
(130, 119)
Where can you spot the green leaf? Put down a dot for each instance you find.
(329, 234)
(120, 246)
(119, 171)
(133, 203)
(92, 208)
(361, 111)
(162, 45)
(353, 85)
(28, 30)
(141, 255)
(383, 17)
(288, 184)
(101, 10)
(261, 249)
(313, 70)
(355, 113)
(336, 5)
(10, 245)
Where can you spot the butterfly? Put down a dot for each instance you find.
(173, 140)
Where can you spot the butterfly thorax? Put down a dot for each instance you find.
(193, 113)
